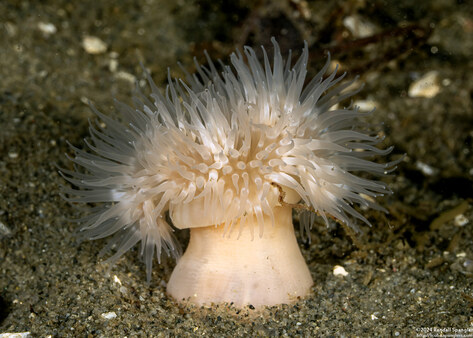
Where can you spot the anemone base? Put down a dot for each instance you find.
(267, 270)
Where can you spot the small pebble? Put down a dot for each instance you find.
(15, 335)
(113, 65)
(125, 76)
(460, 220)
(427, 86)
(94, 45)
(13, 154)
(109, 315)
(366, 105)
(358, 26)
(117, 280)
(339, 271)
(47, 28)
(4, 230)
(468, 265)
(425, 168)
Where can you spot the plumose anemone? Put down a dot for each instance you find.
(228, 154)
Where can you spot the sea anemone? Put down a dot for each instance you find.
(228, 154)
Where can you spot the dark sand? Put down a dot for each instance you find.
(410, 274)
